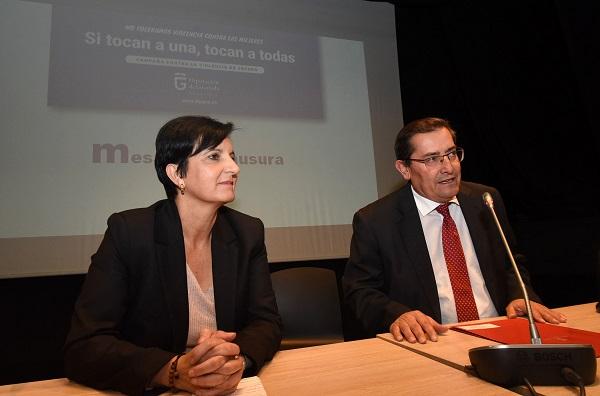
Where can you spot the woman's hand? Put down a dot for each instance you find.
(205, 334)
(212, 367)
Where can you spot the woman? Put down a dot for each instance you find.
(186, 273)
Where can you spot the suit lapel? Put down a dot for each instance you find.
(170, 257)
(224, 260)
(411, 235)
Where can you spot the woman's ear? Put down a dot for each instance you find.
(171, 170)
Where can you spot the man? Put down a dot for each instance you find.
(430, 253)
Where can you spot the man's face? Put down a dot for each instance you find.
(439, 183)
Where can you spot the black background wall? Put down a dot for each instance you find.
(518, 80)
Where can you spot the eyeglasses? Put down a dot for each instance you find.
(435, 161)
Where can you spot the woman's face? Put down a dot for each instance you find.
(212, 175)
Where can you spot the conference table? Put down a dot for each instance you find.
(452, 347)
(376, 366)
(366, 367)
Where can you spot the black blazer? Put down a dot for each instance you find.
(389, 271)
(131, 317)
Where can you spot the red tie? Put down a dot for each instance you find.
(466, 309)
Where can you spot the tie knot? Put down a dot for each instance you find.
(443, 209)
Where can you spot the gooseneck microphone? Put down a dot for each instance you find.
(536, 363)
(535, 336)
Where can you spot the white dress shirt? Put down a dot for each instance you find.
(432, 221)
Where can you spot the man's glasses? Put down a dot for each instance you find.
(435, 161)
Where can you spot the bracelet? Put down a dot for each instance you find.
(173, 373)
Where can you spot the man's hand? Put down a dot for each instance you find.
(539, 312)
(415, 326)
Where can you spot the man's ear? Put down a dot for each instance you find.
(403, 169)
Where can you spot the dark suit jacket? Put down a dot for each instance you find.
(132, 315)
(389, 271)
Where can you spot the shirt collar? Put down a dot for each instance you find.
(425, 205)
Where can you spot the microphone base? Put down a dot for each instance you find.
(507, 365)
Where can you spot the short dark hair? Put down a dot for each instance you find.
(403, 147)
(182, 138)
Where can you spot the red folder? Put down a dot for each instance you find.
(516, 331)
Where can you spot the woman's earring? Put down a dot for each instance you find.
(182, 188)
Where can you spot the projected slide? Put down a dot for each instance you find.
(101, 59)
(87, 89)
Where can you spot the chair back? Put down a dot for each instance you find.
(309, 304)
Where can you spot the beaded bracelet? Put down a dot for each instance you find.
(173, 373)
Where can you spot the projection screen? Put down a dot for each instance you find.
(312, 87)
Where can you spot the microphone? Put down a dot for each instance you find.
(535, 336)
(537, 363)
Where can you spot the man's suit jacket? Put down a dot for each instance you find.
(131, 317)
(389, 271)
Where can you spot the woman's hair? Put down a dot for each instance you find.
(182, 138)
(403, 147)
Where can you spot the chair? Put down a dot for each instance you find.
(309, 305)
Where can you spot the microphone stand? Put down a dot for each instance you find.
(537, 363)
(535, 336)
